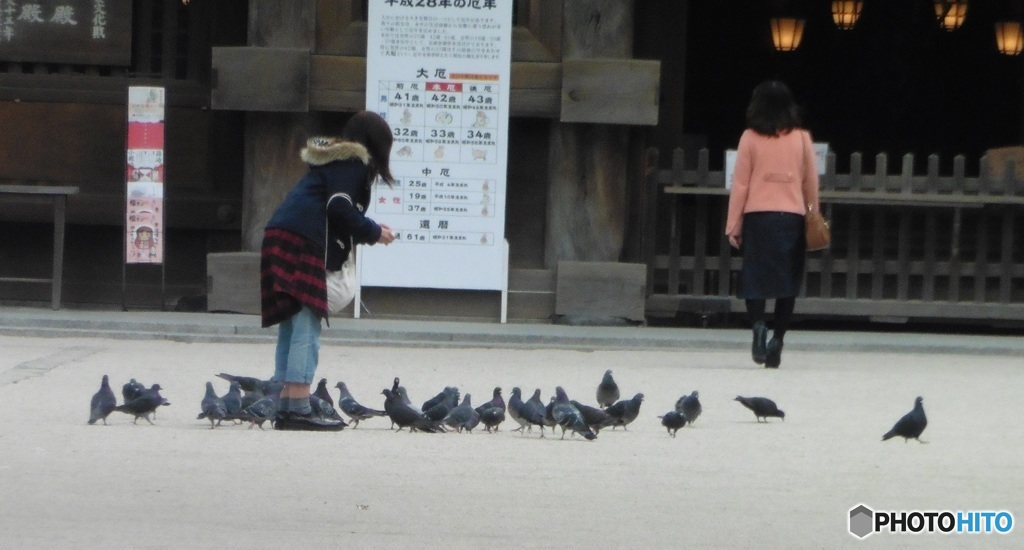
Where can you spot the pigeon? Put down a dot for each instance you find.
(325, 410)
(533, 412)
(569, 417)
(596, 418)
(405, 416)
(549, 416)
(443, 407)
(131, 390)
(492, 413)
(144, 405)
(247, 383)
(232, 400)
(260, 411)
(463, 416)
(626, 410)
(103, 402)
(322, 392)
(515, 407)
(607, 391)
(911, 425)
(762, 407)
(441, 396)
(352, 408)
(689, 406)
(212, 407)
(673, 420)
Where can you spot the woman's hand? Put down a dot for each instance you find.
(387, 235)
(735, 241)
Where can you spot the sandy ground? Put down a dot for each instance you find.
(725, 482)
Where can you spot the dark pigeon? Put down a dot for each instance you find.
(441, 396)
(247, 383)
(911, 425)
(492, 413)
(689, 406)
(762, 407)
(569, 417)
(445, 406)
(596, 418)
(625, 411)
(607, 391)
(673, 420)
(144, 405)
(324, 410)
(405, 416)
(352, 408)
(515, 409)
(212, 407)
(103, 402)
(463, 416)
(131, 390)
(322, 392)
(549, 416)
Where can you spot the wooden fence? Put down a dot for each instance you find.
(905, 246)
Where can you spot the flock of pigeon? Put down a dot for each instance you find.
(255, 401)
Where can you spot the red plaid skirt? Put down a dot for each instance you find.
(292, 274)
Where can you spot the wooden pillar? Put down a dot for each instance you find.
(587, 172)
(273, 140)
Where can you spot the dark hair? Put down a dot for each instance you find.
(373, 132)
(772, 110)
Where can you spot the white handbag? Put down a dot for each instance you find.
(341, 284)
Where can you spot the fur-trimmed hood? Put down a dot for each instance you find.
(322, 150)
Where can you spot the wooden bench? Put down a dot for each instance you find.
(59, 195)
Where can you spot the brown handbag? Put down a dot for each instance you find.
(819, 236)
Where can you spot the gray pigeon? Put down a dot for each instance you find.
(232, 400)
(144, 405)
(324, 410)
(515, 409)
(549, 416)
(405, 416)
(596, 418)
(441, 396)
(569, 417)
(247, 383)
(607, 391)
(441, 409)
(673, 420)
(911, 425)
(532, 412)
(762, 407)
(463, 416)
(103, 402)
(260, 411)
(689, 406)
(352, 408)
(212, 407)
(131, 390)
(626, 410)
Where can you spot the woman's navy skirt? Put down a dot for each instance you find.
(774, 247)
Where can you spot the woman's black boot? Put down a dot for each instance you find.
(773, 358)
(758, 350)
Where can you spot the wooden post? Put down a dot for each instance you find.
(273, 140)
(587, 173)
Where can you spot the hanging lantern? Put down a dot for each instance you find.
(951, 13)
(787, 32)
(845, 13)
(1009, 37)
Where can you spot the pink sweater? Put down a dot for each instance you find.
(773, 173)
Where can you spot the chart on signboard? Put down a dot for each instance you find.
(438, 72)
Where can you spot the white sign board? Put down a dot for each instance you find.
(820, 153)
(144, 176)
(439, 72)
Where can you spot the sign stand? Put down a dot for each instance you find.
(144, 229)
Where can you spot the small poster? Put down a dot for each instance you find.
(144, 176)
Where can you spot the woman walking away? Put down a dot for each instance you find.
(302, 241)
(774, 183)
